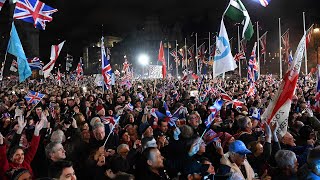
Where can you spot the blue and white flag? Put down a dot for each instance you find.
(15, 48)
(35, 63)
(223, 59)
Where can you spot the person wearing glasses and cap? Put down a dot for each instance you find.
(235, 163)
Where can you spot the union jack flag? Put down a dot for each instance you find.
(129, 106)
(253, 67)
(108, 120)
(79, 70)
(35, 63)
(34, 97)
(239, 56)
(263, 43)
(212, 52)
(215, 108)
(285, 41)
(2, 3)
(175, 56)
(308, 37)
(125, 65)
(106, 67)
(34, 11)
(290, 59)
(202, 52)
(251, 90)
(191, 52)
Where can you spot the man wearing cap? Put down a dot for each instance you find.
(234, 162)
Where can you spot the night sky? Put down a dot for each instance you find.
(79, 22)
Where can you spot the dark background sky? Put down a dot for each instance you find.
(79, 21)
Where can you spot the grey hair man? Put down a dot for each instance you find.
(55, 151)
(287, 163)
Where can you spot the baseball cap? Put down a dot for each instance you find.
(239, 148)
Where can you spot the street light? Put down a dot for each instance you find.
(143, 60)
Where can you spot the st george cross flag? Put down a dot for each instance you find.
(279, 107)
(237, 12)
(163, 60)
(15, 48)
(263, 43)
(55, 51)
(35, 63)
(2, 3)
(223, 59)
(125, 65)
(33, 97)
(14, 66)
(106, 66)
(264, 3)
(34, 11)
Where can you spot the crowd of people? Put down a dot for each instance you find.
(155, 129)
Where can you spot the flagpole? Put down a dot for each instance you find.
(239, 52)
(305, 49)
(177, 58)
(168, 57)
(209, 48)
(280, 49)
(186, 52)
(196, 54)
(258, 49)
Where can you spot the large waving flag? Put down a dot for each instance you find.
(237, 12)
(34, 97)
(215, 108)
(15, 48)
(263, 43)
(55, 51)
(279, 107)
(163, 60)
(35, 63)
(223, 59)
(34, 11)
(106, 66)
(2, 3)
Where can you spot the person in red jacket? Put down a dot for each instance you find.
(17, 157)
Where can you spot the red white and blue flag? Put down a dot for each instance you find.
(125, 65)
(2, 3)
(202, 52)
(285, 41)
(34, 11)
(263, 43)
(79, 70)
(215, 108)
(191, 53)
(252, 66)
(264, 3)
(251, 90)
(35, 63)
(106, 66)
(33, 97)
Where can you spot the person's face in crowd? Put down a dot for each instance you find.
(82, 118)
(164, 126)
(211, 168)
(131, 118)
(71, 102)
(77, 100)
(38, 111)
(238, 158)
(65, 100)
(123, 152)
(102, 112)
(126, 137)
(91, 99)
(58, 152)
(85, 134)
(87, 103)
(76, 109)
(288, 139)
(156, 159)
(138, 104)
(99, 133)
(129, 99)
(68, 174)
(202, 148)
(150, 103)
(130, 129)
(148, 132)
(194, 120)
(110, 112)
(18, 157)
(259, 149)
(254, 123)
(119, 100)
(25, 176)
